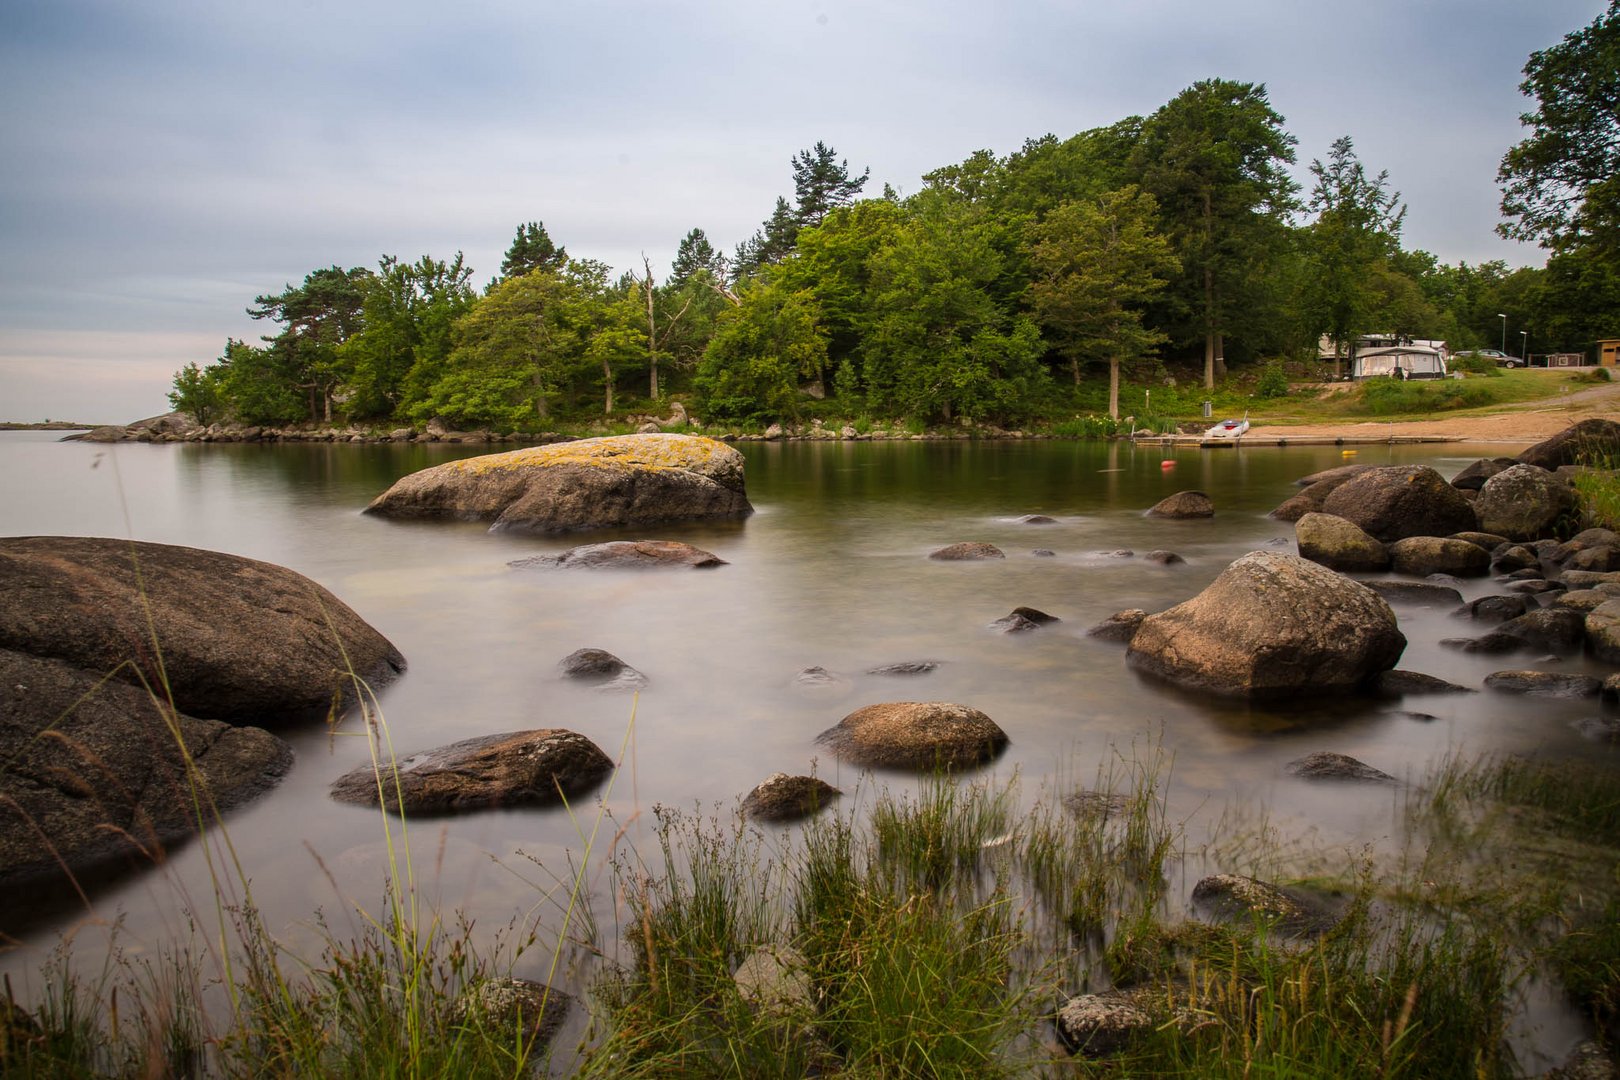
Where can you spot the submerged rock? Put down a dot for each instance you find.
(1120, 626)
(1037, 519)
(1163, 558)
(1398, 683)
(1271, 625)
(1235, 898)
(1183, 505)
(967, 550)
(519, 768)
(626, 555)
(1327, 765)
(1416, 593)
(916, 735)
(906, 667)
(602, 668)
(1547, 683)
(780, 797)
(619, 480)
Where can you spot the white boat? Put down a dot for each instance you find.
(1228, 429)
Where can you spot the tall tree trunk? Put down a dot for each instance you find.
(1113, 387)
(1220, 356)
(607, 379)
(652, 332)
(1209, 329)
(1074, 364)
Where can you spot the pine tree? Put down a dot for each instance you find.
(532, 250)
(695, 253)
(821, 183)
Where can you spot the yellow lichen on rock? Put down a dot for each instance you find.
(689, 452)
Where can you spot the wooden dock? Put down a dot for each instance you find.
(1289, 440)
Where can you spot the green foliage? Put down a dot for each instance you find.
(821, 183)
(1476, 365)
(409, 310)
(1389, 397)
(1273, 382)
(760, 352)
(1561, 185)
(200, 392)
(1097, 266)
(695, 253)
(532, 250)
(1357, 229)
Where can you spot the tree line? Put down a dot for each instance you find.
(989, 295)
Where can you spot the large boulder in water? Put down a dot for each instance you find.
(1397, 501)
(626, 555)
(915, 735)
(1338, 544)
(1590, 442)
(1183, 505)
(98, 772)
(241, 641)
(1526, 502)
(1271, 625)
(621, 480)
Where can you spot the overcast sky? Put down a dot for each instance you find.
(163, 162)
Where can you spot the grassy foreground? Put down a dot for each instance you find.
(926, 935)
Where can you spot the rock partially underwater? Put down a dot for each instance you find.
(620, 480)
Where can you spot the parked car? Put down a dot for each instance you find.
(1502, 359)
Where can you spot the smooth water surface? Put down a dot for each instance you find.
(831, 571)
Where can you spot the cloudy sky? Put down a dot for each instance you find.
(163, 162)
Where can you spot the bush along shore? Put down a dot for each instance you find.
(956, 930)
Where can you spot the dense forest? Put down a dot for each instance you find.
(993, 294)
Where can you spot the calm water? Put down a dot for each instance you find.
(830, 571)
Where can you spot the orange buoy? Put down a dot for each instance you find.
(1167, 463)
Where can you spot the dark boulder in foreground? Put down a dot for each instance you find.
(1183, 505)
(966, 551)
(626, 555)
(1589, 442)
(94, 774)
(915, 735)
(780, 797)
(242, 641)
(1396, 501)
(519, 768)
(1271, 625)
(620, 480)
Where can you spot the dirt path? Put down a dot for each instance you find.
(1524, 423)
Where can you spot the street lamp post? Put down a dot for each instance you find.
(1503, 317)
(1524, 346)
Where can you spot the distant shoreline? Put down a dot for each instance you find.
(48, 425)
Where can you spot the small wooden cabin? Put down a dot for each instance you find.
(1609, 351)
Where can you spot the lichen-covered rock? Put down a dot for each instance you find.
(1423, 555)
(626, 555)
(1586, 538)
(1183, 505)
(1546, 683)
(1488, 541)
(1525, 503)
(1602, 630)
(1601, 558)
(1338, 544)
(505, 1004)
(242, 641)
(1097, 1025)
(519, 768)
(1509, 557)
(1328, 765)
(966, 551)
(1393, 502)
(1271, 625)
(1588, 442)
(1236, 898)
(1120, 626)
(915, 735)
(620, 480)
(780, 797)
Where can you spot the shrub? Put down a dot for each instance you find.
(1273, 381)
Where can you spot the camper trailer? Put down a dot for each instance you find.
(1399, 362)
